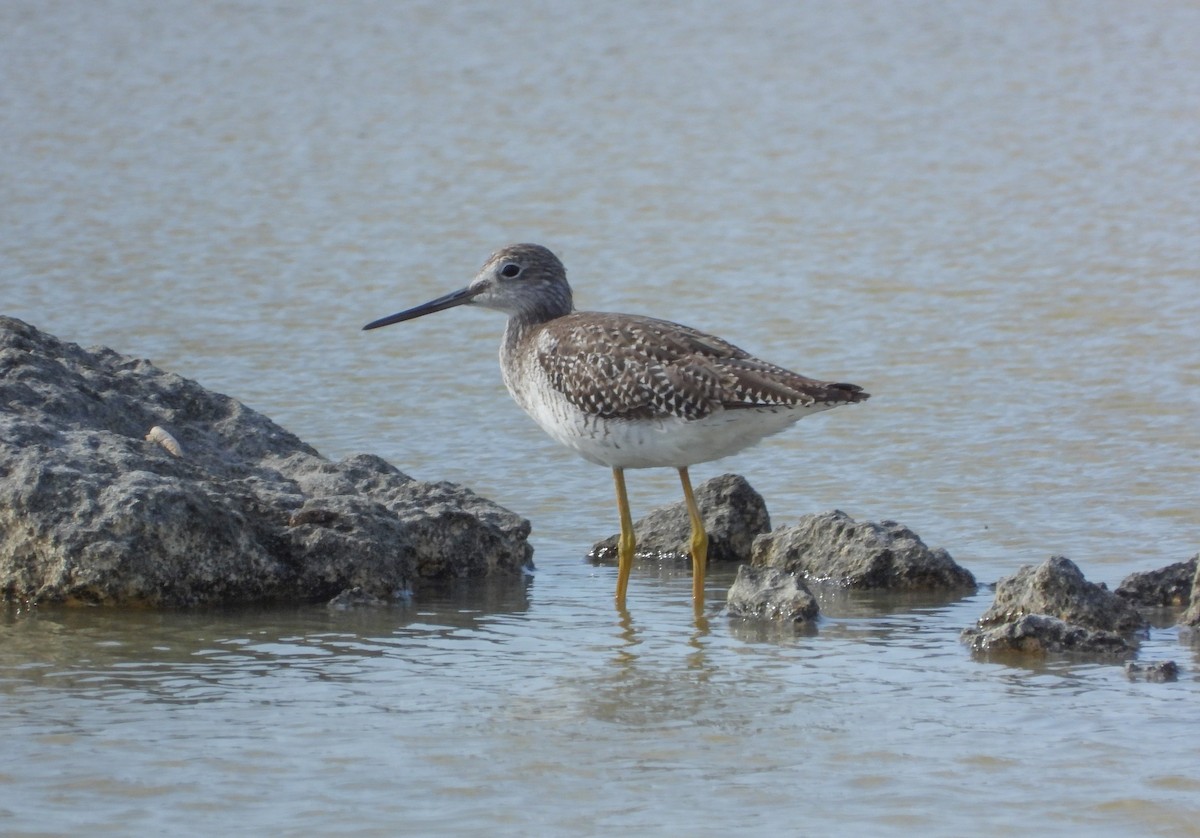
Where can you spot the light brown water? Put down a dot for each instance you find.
(986, 217)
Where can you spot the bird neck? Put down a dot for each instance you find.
(524, 323)
(551, 303)
(520, 327)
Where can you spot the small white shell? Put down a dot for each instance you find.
(167, 441)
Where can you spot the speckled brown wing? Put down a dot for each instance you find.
(625, 366)
(761, 384)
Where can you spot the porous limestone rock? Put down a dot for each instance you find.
(93, 511)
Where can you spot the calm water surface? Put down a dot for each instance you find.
(987, 218)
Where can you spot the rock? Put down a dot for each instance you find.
(1040, 634)
(733, 515)
(771, 593)
(1058, 588)
(1052, 608)
(1167, 586)
(355, 597)
(1191, 617)
(833, 547)
(1154, 671)
(91, 511)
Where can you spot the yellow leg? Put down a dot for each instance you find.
(699, 545)
(626, 542)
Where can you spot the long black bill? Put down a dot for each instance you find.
(455, 298)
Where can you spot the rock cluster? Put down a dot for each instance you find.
(833, 548)
(123, 483)
(1044, 609)
(1051, 607)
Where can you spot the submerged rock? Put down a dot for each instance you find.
(355, 597)
(237, 509)
(1167, 586)
(771, 594)
(1154, 671)
(733, 515)
(1051, 607)
(833, 547)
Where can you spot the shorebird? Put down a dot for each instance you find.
(627, 391)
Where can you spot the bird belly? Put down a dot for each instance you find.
(657, 442)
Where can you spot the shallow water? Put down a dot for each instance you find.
(988, 220)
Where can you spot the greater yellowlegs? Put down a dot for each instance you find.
(625, 391)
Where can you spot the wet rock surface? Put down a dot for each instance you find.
(771, 594)
(833, 547)
(734, 513)
(1051, 607)
(92, 511)
(1041, 633)
(1168, 586)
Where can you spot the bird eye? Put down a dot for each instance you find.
(510, 270)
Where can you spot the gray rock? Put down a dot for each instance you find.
(1052, 608)
(1191, 617)
(1167, 586)
(833, 547)
(733, 515)
(1158, 672)
(355, 597)
(91, 511)
(771, 594)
